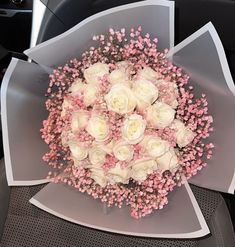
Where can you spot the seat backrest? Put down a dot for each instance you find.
(4, 196)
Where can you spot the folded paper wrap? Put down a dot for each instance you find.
(22, 99)
(176, 220)
(202, 56)
(154, 16)
(23, 110)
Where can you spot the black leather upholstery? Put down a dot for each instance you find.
(4, 197)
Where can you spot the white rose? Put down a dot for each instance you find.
(133, 129)
(98, 128)
(141, 168)
(89, 91)
(78, 151)
(67, 104)
(95, 72)
(76, 87)
(106, 147)
(90, 94)
(118, 76)
(118, 174)
(160, 115)
(99, 176)
(123, 151)
(145, 92)
(154, 146)
(184, 135)
(79, 120)
(120, 99)
(148, 74)
(168, 161)
(97, 156)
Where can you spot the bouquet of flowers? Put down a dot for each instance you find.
(126, 122)
(124, 125)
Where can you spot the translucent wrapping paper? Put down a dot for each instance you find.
(22, 107)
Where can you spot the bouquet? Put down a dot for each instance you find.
(124, 125)
(126, 122)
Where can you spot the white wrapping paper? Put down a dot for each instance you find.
(202, 56)
(23, 110)
(155, 16)
(176, 220)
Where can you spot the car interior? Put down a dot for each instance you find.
(26, 23)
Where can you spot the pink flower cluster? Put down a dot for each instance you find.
(140, 51)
